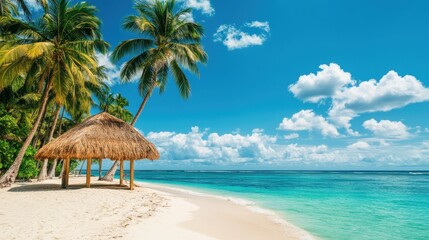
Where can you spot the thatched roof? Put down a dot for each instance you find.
(100, 136)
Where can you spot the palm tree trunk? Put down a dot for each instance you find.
(44, 172)
(62, 169)
(51, 173)
(54, 165)
(36, 139)
(111, 173)
(81, 167)
(9, 177)
(100, 165)
(141, 106)
(61, 122)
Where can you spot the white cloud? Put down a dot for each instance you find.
(262, 25)
(359, 154)
(202, 5)
(291, 136)
(211, 148)
(113, 71)
(391, 92)
(387, 129)
(349, 100)
(237, 38)
(309, 121)
(188, 17)
(297, 153)
(325, 83)
(359, 145)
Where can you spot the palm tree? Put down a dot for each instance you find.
(105, 99)
(119, 108)
(63, 44)
(114, 104)
(169, 42)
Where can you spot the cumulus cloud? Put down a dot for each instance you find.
(387, 129)
(262, 25)
(325, 83)
(307, 120)
(112, 71)
(188, 17)
(223, 149)
(291, 136)
(391, 92)
(349, 99)
(211, 148)
(237, 38)
(202, 5)
(296, 152)
(359, 154)
(359, 145)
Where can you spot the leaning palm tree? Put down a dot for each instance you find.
(169, 42)
(63, 42)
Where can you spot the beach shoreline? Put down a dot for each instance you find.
(206, 201)
(42, 210)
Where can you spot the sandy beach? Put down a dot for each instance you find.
(41, 210)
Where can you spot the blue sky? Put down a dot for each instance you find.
(293, 85)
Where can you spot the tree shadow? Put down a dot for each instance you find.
(40, 187)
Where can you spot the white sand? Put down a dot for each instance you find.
(44, 211)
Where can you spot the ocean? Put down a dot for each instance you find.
(328, 204)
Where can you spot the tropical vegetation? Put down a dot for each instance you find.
(50, 78)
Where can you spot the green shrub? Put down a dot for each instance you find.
(28, 168)
(10, 137)
(8, 152)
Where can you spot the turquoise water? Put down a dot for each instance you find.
(330, 205)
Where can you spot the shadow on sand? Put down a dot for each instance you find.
(40, 187)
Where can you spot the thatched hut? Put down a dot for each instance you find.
(99, 137)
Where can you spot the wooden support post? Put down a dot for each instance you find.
(88, 172)
(121, 173)
(67, 171)
(131, 174)
(63, 176)
(100, 166)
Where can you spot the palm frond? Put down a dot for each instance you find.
(131, 46)
(181, 80)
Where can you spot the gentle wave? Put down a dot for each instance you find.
(418, 173)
